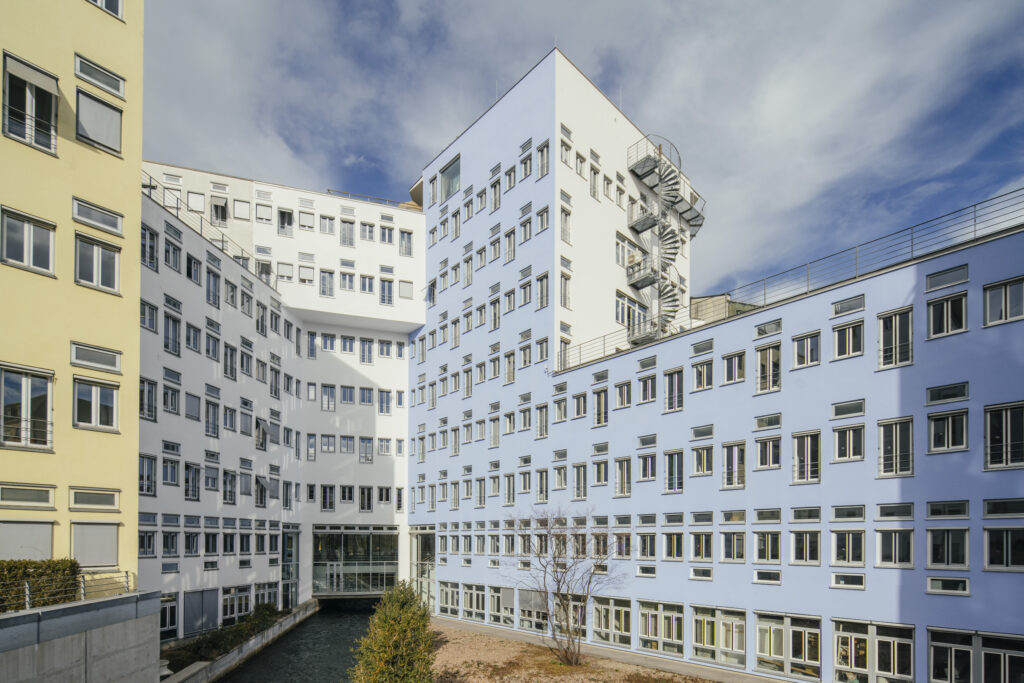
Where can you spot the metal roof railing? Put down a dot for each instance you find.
(962, 226)
(170, 199)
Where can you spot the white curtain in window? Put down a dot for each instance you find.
(26, 540)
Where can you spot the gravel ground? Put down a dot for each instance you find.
(466, 657)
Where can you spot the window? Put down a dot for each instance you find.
(895, 547)
(673, 390)
(623, 479)
(98, 122)
(1004, 436)
(566, 232)
(806, 547)
(875, 652)
(790, 645)
(768, 543)
(849, 443)
(806, 458)
(1004, 549)
(768, 368)
(95, 405)
(30, 106)
(897, 455)
(1004, 302)
(730, 647)
(947, 432)
(894, 339)
(848, 548)
(805, 350)
(947, 548)
(450, 179)
(702, 375)
(734, 471)
(947, 315)
(702, 461)
(700, 546)
(769, 453)
(849, 340)
(147, 399)
(326, 283)
(29, 244)
(92, 215)
(27, 409)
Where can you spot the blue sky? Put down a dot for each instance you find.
(808, 126)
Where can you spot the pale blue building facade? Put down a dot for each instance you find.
(820, 480)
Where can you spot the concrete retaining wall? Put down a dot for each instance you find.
(200, 672)
(113, 639)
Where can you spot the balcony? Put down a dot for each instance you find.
(640, 272)
(641, 219)
(643, 332)
(353, 578)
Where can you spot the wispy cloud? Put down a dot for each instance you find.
(808, 126)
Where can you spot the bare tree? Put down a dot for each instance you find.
(568, 565)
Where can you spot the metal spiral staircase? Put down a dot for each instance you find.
(656, 162)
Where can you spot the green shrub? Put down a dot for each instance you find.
(213, 644)
(398, 646)
(51, 582)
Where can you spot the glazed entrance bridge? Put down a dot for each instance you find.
(1003, 213)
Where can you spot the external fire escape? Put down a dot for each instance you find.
(655, 161)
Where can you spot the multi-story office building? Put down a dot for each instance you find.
(814, 477)
(69, 271)
(274, 426)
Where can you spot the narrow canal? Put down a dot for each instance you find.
(318, 649)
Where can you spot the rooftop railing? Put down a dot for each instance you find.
(971, 223)
(366, 198)
(170, 199)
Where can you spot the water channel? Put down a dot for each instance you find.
(318, 649)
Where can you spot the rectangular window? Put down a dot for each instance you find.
(947, 432)
(895, 342)
(27, 409)
(849, 340)
(734, 367)
(947, 315)
(30, 106)
(95, 405)
(769, 377)
(897, 455)
(849, 443)
(806, 458)
(1004, 436)
(1004, 302)
(769, 453)
(734, 468)
(29, 244)
(673, 390)
(806, 351)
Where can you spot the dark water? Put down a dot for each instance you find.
(318, 649)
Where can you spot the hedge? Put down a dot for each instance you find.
(50, 582)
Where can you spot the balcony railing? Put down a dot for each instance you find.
(35, 131)
(975, 222)
(641, 272)
(50, 590)
(166, 197)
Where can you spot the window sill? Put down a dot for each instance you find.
(767, 392)
(835, 461)
(104, 430)
(21, 266)
(804, 367)
(33, 449)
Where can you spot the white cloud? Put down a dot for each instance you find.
(792, 118)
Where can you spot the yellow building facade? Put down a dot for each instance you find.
(70, 158)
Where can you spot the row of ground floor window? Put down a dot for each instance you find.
(784, 644)
(192, 612)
